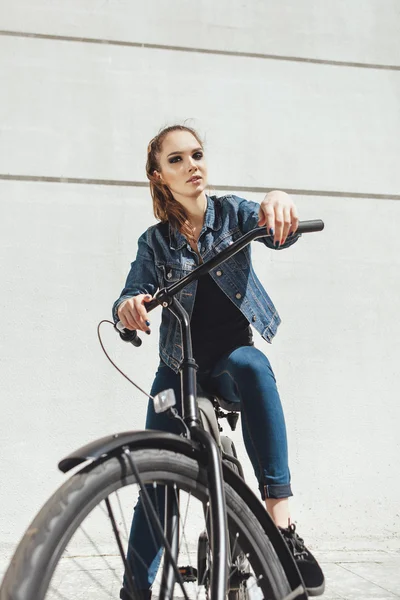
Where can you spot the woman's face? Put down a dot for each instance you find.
(182, 165)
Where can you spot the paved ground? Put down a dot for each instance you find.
(362, 574)
(351, 575)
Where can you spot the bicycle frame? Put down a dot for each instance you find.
(219, 539)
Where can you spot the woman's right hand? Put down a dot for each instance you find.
(132, 313)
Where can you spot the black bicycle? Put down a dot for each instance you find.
(217, 539)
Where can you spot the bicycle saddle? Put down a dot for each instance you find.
(223, 403)
(209, 406)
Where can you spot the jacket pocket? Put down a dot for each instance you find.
(240, 260)
(169, 273)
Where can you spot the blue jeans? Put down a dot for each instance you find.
(244, 376)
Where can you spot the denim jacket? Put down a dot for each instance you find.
(164, 256)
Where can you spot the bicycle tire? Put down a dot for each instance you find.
(33, 564)
(228, 447)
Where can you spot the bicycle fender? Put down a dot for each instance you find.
(114, 444)
(149, 438)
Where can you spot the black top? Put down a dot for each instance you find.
(217, 325)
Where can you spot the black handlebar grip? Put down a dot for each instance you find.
(310, 226)
(128, 335)
(151, 305)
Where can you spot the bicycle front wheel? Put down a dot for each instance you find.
(75, 548)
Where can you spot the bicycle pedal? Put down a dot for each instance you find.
(189, 574)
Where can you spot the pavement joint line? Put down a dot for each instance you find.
(368, 580)
(227, 188)
(233, 53)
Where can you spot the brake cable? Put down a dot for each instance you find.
(113, 363)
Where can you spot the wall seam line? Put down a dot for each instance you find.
(299, 59)
(226, 188)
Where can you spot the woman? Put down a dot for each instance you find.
(221, 305)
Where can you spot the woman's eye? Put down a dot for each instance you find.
(175, 159)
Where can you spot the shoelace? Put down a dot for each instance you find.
(295, 541)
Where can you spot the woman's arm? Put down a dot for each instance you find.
(277, 212)
(142, 277)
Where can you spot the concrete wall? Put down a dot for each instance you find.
(80, 100)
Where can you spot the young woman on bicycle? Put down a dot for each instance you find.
(222, 306)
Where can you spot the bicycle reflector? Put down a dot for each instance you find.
(164, 400)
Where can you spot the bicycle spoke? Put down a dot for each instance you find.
(206, 516)
(128, 572)
(122, 515)
(82, 569)
(183, 523)
(232, 572)
(115, 529)
(155, 485)
(105, 512)
(149, 509)
(96, 548)
(98, 554)
(233, 554)
(58, 594)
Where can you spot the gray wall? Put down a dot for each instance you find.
(84, 85)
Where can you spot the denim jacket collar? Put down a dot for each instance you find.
(212, 220)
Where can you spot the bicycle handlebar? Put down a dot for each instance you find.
(128, 335)
(310, 226)
(304, 227)
(247, 238)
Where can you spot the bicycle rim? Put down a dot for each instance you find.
(71, 550)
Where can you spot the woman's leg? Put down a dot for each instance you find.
(246, 376)
(144, 553)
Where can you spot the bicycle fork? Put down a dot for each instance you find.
(219, 541)
(172, 511)
(217, 520)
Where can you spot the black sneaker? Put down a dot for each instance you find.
(310, 570)
(140, 595)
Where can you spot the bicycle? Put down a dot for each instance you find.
(239, 552)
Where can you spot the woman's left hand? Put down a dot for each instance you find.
(278, 213)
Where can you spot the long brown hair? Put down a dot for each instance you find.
(165, 207)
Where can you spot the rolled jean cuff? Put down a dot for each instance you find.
(276, 491)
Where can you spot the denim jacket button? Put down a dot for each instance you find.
(218, 273)
(254, 318)
(169, 275)
(238, 296)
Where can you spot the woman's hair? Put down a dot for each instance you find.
(165, 207)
